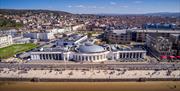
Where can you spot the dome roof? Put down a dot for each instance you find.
(90, 48)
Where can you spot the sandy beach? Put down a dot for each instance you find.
(91, 86)
(88, 74)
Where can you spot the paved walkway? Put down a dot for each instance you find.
(89, 74)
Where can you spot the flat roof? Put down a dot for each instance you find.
(57, 49)
(73, 37)
(155, 31)
(119, 31)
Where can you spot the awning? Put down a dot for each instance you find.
(163, 57)
(172, 57)
(177, 56)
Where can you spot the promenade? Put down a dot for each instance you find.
(88, 74)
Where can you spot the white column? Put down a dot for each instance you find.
(38, 56)
(130, 55)
(42, 56)
(122, 55)
(144, 54)
(117, 56)
(125, 55)
(134, 55)
(64, 57)
(67, 56)
(54, 56)
(50, 56)
(87, 58)
(138, 55)
(32, 58)
(103, 56)
(90, 58)
(75, 57)
(47, 57)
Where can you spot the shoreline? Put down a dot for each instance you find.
(90, 86)
(88, 80)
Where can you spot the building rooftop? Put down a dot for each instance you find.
(72, 37)
(90, 48)
(57, 49)
(119, 31)
(127, 48)
(155, 31)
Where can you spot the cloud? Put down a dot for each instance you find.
(124, 6)
(80, 6)
(86, 7)
(69, 6)
(112, 3)
(102, 7)
(137, 2)
(93, 7)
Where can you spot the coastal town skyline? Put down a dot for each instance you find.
(89, 45)
(96, 6)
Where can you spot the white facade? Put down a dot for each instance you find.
(132, 54)
(71, 42)
(5, 40)
(78, 27)
(46, 36)
(40, 36)
(91, 57)
(63, 30)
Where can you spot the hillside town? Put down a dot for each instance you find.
(91, 46)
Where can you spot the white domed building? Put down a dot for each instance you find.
(90, 52)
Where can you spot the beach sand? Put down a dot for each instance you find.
(91, 86)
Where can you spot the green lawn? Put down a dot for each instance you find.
(15, 49)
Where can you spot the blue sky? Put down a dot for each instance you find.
(96, 6)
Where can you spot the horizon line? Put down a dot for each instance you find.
(89, 13)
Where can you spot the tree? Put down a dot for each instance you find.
(89, 35)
